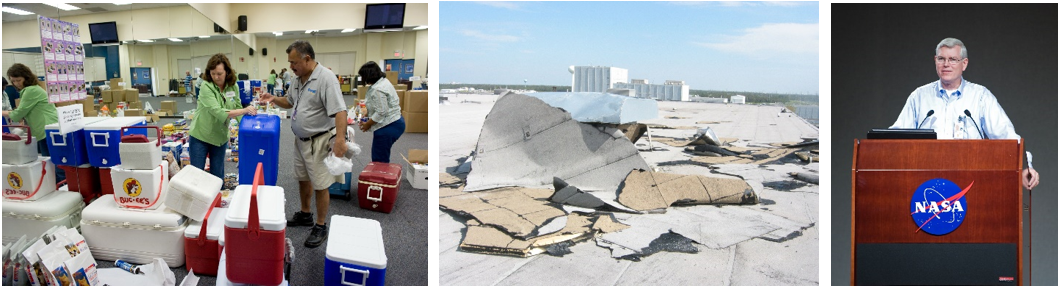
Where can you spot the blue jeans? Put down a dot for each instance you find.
(198, 151)
(269, 88)
(42, 148)
(384, 138)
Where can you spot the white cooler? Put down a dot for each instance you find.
(140, 155)
(21, 150)
(191, 192)
(140, 189)
(29, 181)
(60, 208)
(354, 255)
(136, 236)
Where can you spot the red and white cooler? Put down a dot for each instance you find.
(136, 236)
(19, 149)
(191, 192)
(28, 218)
(202, 250)
(378, 186)
(254, 234)
(138, 152)
(29, 181)
(140, 189)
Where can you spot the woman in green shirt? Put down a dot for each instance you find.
(34, 107)
(272, 81)
(218, 101)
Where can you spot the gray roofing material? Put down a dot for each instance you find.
(601, 107)
(525, 142)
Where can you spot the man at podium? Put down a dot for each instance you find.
(956, 108)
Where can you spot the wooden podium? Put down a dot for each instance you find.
(887, 246)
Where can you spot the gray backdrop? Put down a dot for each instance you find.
(882, 52)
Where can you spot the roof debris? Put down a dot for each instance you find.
(648, 191)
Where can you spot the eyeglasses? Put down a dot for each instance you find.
(950, 61)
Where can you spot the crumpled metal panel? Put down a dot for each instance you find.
(525, 142)
(601, 107)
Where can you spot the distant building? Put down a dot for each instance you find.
(596, 78)
(670, 90)
(639, 81)
(738, 99)
(709, 99)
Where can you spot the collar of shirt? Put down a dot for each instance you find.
(313, 76)
(941, 92)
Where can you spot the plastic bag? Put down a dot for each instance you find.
(338, 166)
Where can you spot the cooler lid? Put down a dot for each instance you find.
(192, 178)
(50, 205)
(117, 123)
(356, 241)
(88, 120)
(215, 226)
(106, 210)
(270, 208)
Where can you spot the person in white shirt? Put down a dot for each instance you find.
(959, 109)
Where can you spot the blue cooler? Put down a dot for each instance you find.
(354, 255)
(102, 139)
(259, 143)
(341, 190)
(69, 149)
(246, 96)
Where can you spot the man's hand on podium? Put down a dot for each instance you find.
(1030, 178)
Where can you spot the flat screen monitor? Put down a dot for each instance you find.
(384, 16)
(889, 133)
(103, 33)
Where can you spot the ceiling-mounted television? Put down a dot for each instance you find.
(384, 16)
(104, 33)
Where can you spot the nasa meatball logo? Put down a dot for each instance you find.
(938, 206)
(132, 187)
(14, 180)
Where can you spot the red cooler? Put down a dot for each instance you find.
(254, 234)
(201, 249)
(105, 182)
(83, 179)
(378, 186)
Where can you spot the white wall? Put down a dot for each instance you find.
(176, 21)
(303, 16)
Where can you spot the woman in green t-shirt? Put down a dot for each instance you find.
(34, 107)
(272, 81)
(218, 101)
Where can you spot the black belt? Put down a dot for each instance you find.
(315, 136)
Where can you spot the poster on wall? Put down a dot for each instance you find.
(64, 67)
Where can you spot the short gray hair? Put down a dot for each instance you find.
(951, 42)
(304, 48)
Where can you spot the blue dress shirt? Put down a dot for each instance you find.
(949, 119)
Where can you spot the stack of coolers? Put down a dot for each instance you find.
(255, 227)
(102, 140)
(134, 225)
(31, 204)
(259, 144)
(70, 154)
(247, 90)
(196, 194)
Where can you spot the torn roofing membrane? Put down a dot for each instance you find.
(490, 240)
(516, 211)
(648, 191)
(525, 142)
(601, 107)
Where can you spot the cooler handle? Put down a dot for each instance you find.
(158, 136)
(368, 193)
(29, 136)
(203, 231)
(162, 174)
(253, 231)
(343, 276)
(106, 139)
(44, 171)
(56, 137)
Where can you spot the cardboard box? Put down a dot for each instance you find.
(416, 122)
(168, 105)
(417, 168)
(151, 117)
(402, 101)
(91, 113)
(107, 96)
(417, 101)
(393, 77)
(164, 113)
(134, 105)
(362, 90)
(87, 103)
(116, 83)
(134, 112)
(401, 87)
(131, 95)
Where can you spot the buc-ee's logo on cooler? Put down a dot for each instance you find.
(14, 180)
(132, 187)
(938, 206)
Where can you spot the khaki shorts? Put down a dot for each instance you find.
(309, 161)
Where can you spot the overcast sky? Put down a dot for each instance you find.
(735, 46)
